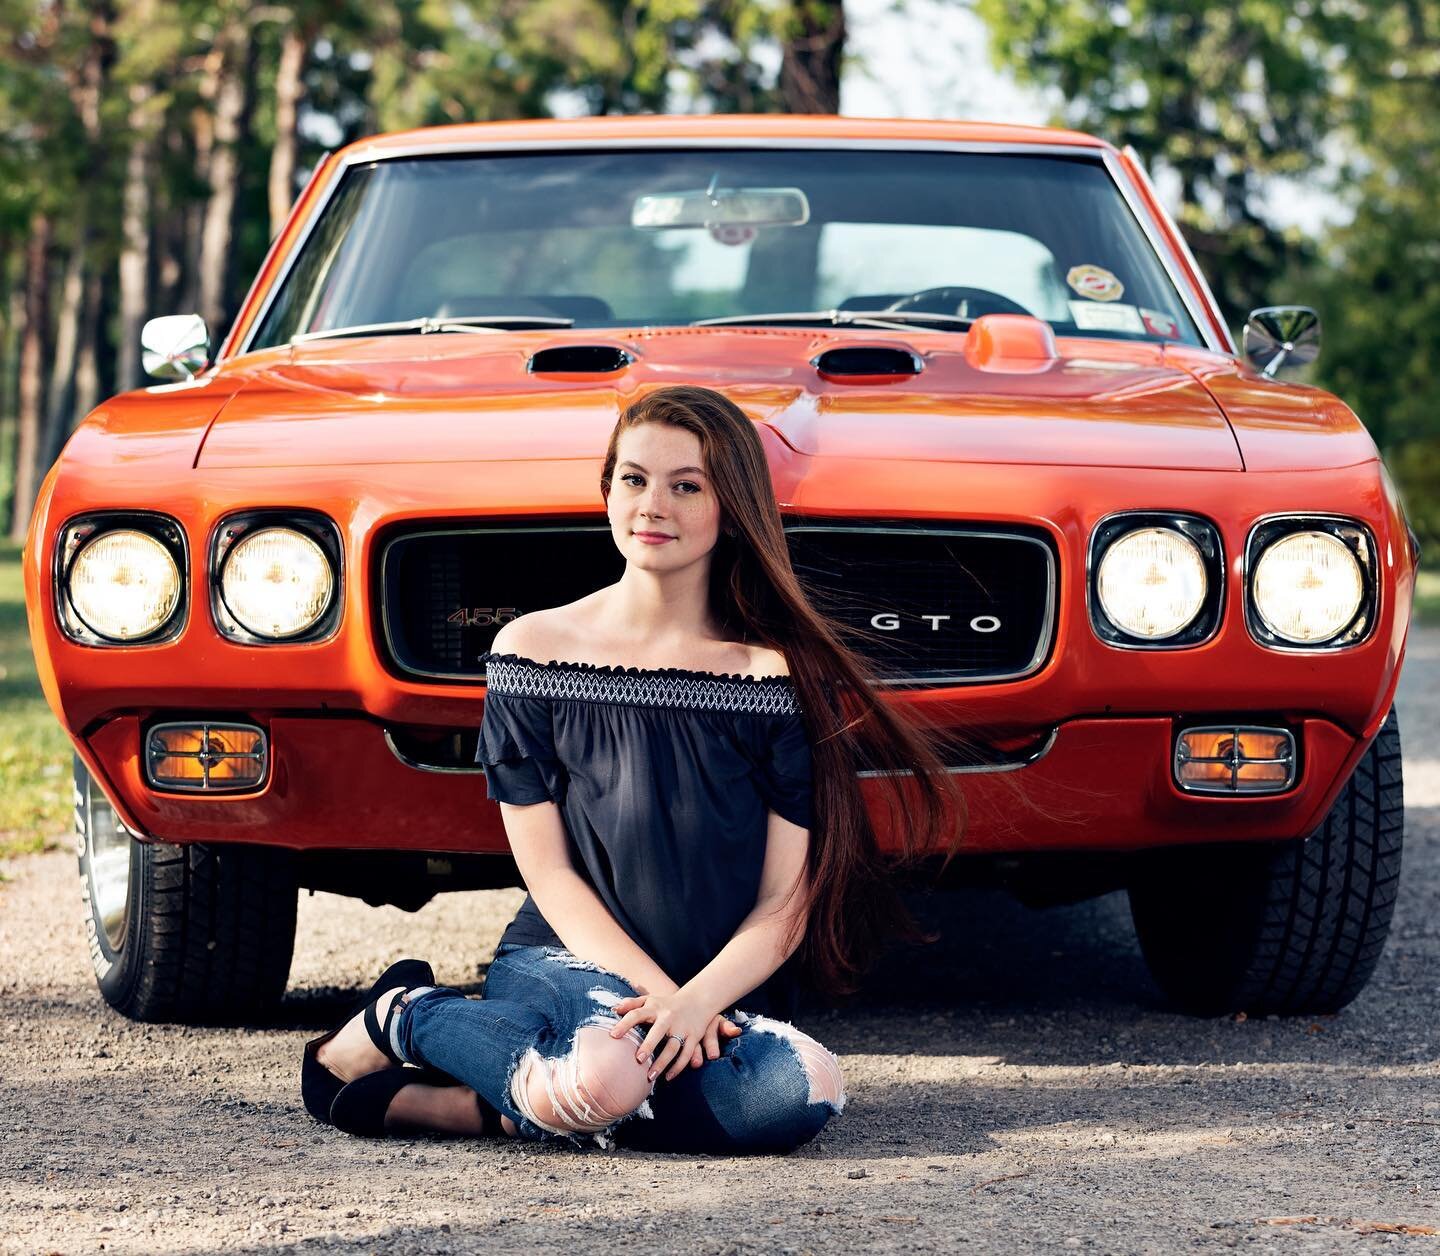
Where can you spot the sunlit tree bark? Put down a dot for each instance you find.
(289, 89)
(31, 384)
(135, 237)
(230, 105)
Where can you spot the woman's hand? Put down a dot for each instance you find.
(671, 1017)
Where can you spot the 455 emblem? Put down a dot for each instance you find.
(482, 616)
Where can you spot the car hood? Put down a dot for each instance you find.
(460, 398)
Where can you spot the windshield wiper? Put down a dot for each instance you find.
(901, 320)
(481, 323)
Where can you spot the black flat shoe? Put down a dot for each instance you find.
(318, 1085)
(361, 1105)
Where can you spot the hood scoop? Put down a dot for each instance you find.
(1010, 344)
(867, 364)
(579, 360)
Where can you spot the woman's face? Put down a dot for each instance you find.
(659, 489)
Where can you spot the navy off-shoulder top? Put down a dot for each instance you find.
(665, 779)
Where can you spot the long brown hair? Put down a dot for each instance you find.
(855, 904)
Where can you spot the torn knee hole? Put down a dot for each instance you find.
(594, 1084)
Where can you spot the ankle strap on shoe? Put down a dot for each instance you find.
(383, 1035)
(392, 1019)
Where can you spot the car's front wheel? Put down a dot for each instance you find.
(1295, 928)
(196, 932)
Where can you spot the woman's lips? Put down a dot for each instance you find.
(653, 538)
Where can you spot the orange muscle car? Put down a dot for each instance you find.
(1164, 591)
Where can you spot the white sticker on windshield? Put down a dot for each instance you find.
(1113, 317)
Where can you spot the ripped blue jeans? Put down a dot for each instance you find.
(771, 1089)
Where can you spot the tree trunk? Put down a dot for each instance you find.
(172, 268)
(87, 362)
(67, 344)
(289, 88)
(811, 57)
(31, 383)
(230, 103)
(196, 212)
(135, 239)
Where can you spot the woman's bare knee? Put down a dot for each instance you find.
(823, 1069)
(596, 1083)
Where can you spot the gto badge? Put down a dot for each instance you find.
(889, 622)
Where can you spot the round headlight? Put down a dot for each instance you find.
(276, 582)
(1151, 582)
(1307, 587)
(123, 585)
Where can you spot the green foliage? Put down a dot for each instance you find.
(35, 754)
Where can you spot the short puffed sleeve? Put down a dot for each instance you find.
(785, 771)
(517, 747)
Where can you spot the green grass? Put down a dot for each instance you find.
(1427, 598)
(35, 753)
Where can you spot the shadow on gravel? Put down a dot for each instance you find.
(995, 953)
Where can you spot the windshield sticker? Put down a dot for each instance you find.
(1160, 324)
(1095, 282)
(1106, 317)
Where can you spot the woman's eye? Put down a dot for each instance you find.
(628, 476)
(689, 486)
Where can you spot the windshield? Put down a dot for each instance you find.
(665, 237)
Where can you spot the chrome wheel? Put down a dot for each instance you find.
(109, 864)
(189, 932)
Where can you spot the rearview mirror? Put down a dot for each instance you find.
(721, 207)
(176, 346)
(1281, 335)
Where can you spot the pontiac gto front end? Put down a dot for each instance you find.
(1163, 593)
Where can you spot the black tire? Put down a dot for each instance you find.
(1289, 929)
(197, 933)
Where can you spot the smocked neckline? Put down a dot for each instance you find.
(616, 669)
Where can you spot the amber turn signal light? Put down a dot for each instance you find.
(1235, 760)
(206, 758)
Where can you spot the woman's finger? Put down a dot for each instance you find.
(697, 1058)
(665, 1058)
(712, 1039)
(654, 1040)
(678, 1064)
(628, 1022)
(625, 1004)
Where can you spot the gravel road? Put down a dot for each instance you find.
(1018, 1087)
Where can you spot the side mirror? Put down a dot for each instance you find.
(1281, 335)
(175, 347)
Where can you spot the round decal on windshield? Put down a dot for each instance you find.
(1095, 282)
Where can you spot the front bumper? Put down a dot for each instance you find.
(338, 783)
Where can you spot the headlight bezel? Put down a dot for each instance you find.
(230, 530)
(78, 532)
(1203, 533)
(1355, 535)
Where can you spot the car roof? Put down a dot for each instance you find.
(660, 127)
